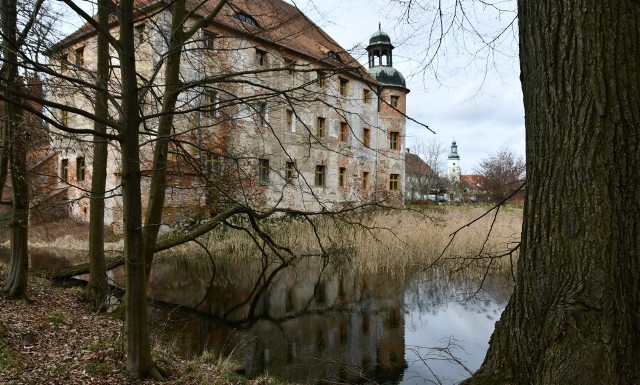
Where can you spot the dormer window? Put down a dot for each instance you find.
(243, 17)
(333, 55)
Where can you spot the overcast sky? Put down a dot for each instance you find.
(477, 102)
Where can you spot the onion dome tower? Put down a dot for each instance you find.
(454, 163)
(381, 68)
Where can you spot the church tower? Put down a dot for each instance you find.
(454, 164)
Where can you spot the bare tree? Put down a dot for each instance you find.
(432, 181)
(503, 173)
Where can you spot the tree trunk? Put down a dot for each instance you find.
(98, 287)
(574, 315)
(139, 361)
(157, 189)
(16, 282)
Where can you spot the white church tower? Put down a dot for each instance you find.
(454, 164)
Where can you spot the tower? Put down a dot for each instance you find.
(381, 68)
(392, 91)
(454, 164)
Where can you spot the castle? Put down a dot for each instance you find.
(273, 113)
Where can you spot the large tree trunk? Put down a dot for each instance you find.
(574, 316)
(16, 282)
(98, 287)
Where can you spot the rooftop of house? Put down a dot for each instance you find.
(271, 22)
(415, 165)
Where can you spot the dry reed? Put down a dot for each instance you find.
(397, 241)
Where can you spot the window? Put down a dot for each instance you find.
(394, 140)
(291, 127)
(366, 96)
(366, 137)
(289, 170)
(344, 87)
(343, 135)
(209, 39)
(320, 127)
(262, 114)
(243, 17)
(80, 56)
(80, 168)
(64, 170)
(64, 118)
(365, 180)
(139, 34)
(64, 62)
(320, 174)
(290, 65)
(263, 170)
(394, 100)
(333, 55)
(342, 176)
(213, 166)
(211, 103)
(394, 182)
(322, 80)
(261, 58)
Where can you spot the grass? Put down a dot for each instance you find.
(397, 241)
(58, 317)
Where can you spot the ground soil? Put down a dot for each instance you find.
(55, 338)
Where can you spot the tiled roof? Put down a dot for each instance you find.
(415, 165)
(279, 23)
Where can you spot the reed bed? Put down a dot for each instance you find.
(396, 241)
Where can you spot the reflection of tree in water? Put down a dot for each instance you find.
(313, 319)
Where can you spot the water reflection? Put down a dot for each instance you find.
(310, 320)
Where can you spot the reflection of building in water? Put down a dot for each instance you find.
(308, 322)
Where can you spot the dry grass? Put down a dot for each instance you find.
(382, 241)
(378, 241)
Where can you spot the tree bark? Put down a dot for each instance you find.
(574, 315)
(16, 282)
(139, 360)
(157, 189)
(98, 287)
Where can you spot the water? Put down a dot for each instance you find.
(318, 322)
